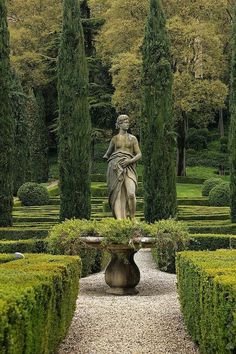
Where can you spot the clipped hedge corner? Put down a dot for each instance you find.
(37, 301)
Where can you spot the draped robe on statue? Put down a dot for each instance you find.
(116, 177)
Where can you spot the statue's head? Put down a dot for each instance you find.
(123, 118)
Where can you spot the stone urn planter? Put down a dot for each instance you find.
(122, 274)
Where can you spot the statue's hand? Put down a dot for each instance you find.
(125, 163)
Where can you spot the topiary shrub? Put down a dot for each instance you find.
(220, 195)
(209, 184)
(31, 193)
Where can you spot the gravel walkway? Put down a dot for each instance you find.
(148, 323)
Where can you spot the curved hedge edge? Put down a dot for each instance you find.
(37, 302)
(207, 291)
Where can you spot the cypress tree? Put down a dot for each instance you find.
(21, 133)
(157, 120)
(232, 130)
(38, 140)
(74, 119)
(6, 124)
(43, 170)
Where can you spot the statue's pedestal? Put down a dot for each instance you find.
(122, 274)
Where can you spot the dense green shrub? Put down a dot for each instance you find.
(32, 193)
(209, 184)
(224, 144)
(171, 237)
(220, 195)
(207, 290)
(37, 302)
(197, 138)
(208, 158)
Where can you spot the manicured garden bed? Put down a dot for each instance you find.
(207, 290)
(37, 301)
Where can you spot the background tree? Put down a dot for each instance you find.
(157, 127)
(199, 32)
(6, 124)
(74, 120)
(232, 135)
(21, 133)
(38, 138)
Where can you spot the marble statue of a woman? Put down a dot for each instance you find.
(122, 155)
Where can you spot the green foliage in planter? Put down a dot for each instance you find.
(32, 193)
(207, 290)
(220, 195)
(171, 237)
(37, 301)
(209, 184)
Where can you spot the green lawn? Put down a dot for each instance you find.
(203, 172)
(189, 190)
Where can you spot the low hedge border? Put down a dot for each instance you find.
(211, 242)
(92, 260)
(22, 234)
(207, 290)
(37, 302)
(22, 246)
(185, 180)
(218, 229)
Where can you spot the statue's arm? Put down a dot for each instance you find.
(137, 154)
(137, 151)
(110, 149)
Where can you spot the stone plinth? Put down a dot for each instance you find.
(122, 274)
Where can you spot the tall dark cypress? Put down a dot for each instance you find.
(21, 133)
(38, 139)
(232, 130)
(6, 124)
(74, 119)
(158, 138)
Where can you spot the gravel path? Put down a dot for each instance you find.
(148, 323)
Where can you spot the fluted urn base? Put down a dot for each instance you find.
(122, 274)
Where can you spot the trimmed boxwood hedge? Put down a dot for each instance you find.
(92, 260)
(211, 242)
(207, 290)
(28, 246)
(22, 233)
(37, 302)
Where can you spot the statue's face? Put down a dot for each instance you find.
(124, 124)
